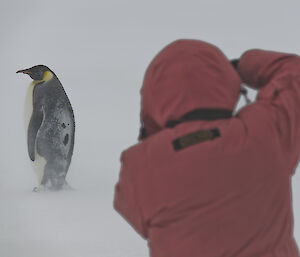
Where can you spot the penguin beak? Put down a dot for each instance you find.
(26, 71)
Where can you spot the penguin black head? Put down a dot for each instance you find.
(38, 72)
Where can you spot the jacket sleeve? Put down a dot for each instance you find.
(277, 77)
(126, 200)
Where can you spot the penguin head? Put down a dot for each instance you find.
(38, 72)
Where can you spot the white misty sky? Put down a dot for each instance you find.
(99, 51)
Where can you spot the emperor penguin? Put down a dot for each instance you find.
(50, 124)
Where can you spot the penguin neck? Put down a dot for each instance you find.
(48, 75)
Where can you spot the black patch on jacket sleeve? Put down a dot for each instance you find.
(195, 138)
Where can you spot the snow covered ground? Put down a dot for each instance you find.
(76, 224)
(100, 50)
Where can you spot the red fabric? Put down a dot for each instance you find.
(226, 197)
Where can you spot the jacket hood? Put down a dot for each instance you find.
(184, 76)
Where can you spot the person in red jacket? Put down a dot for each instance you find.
(203, 182)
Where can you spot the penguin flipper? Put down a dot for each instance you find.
(34, 125)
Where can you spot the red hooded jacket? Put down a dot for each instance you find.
(224, 192)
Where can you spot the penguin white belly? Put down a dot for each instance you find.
(39, 163)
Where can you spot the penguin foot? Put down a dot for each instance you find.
(39, 188)
(49, 187)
